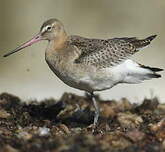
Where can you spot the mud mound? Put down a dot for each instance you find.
(64, 125)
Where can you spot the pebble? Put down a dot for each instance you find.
(129, 120)
(4, 114)
(135, 135)
(43, 131)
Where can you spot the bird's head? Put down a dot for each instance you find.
(52, 29)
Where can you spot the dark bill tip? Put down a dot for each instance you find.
(35, 39)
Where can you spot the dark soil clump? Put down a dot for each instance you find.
(65, 125)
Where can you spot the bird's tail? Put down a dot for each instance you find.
(153, 71)
(144, 42)
(138, 72)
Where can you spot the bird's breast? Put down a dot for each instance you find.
(79, 75)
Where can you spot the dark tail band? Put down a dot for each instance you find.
(151, 68)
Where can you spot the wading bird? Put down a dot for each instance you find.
(92, 64)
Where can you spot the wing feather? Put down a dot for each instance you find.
(106, 53)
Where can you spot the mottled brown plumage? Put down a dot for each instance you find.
(104, 53)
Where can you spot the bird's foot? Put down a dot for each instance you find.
(94, 129)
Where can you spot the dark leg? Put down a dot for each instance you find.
(96, 109)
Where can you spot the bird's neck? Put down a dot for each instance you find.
(57, 48)
(60, 42)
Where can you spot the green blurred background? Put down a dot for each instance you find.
(26, 73)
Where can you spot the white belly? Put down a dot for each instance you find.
(91, 79)
(85, 79)
(98, 80)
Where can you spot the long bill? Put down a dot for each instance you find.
(35, 39)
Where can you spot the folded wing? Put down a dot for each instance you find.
(106, 53)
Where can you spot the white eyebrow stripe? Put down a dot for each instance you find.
(45, 28)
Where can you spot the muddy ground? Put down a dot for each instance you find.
(64, 125)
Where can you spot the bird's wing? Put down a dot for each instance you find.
(106, 53)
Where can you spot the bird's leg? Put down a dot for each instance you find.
(97, 111)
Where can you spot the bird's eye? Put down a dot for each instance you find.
(48, 28)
